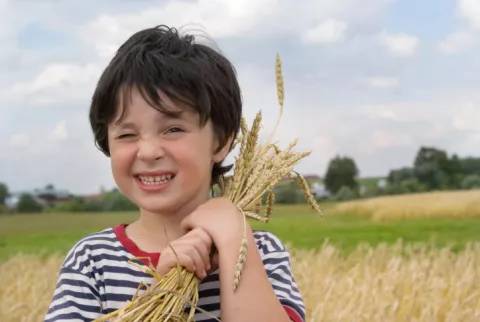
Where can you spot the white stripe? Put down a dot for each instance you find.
(200, 316)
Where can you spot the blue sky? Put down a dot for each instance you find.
(372, 79)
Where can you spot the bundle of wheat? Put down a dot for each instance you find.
(259, 168)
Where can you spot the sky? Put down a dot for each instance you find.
(370, 79)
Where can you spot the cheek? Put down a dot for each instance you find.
(194, 159)
(120, 159)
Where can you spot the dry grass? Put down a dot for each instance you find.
(451, 204)
(387, 283)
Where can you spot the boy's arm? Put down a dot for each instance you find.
(260, 296)
(255, 298)
(76, 298)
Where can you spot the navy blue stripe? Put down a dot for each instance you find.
(88, 249)
(124, 270)
(264, 246)
(287, 291)
(68, 316)
(76, 283)
(80, 283)
(282, 268)
(71, 304)
(121, 283)
(100, 236)
(279, 278)
(74, 294)
(276, 260)
(118, 297)
(209, 292)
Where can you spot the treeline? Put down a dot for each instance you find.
(432, 170)
(108, 201)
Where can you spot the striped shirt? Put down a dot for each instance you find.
(96, 278)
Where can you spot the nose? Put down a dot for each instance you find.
(150, 150)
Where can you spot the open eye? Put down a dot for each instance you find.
(174, 129)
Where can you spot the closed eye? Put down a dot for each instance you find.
(124, 136)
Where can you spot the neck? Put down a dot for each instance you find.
(154, 231)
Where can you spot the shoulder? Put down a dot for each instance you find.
(93, 248)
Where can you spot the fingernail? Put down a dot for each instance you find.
(208, 267)
(204, 274)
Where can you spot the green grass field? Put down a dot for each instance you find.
(296, 225)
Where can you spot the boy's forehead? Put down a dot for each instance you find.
(129, 99)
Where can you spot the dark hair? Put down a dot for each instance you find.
(160, 58)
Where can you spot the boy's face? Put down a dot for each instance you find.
(162, 163)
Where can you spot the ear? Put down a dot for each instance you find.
(222, 153)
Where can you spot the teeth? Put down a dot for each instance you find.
(155, 180)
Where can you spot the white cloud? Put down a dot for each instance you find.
(60, 132)
(457, 42)
(399, 45)
(382, 82)
(20, 140)
(384, 139)
(326, 32)
(470, 10)
(227, 19)
(59, 83)
(468, 118)
(220, 18)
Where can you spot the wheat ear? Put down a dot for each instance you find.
(242, 256)
(308, 194)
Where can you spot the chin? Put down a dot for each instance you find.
(156, 205)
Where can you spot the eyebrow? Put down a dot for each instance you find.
(130, 125)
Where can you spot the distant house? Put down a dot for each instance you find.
(48, 196)
(382, 184)
(319, 190)
(312, 177)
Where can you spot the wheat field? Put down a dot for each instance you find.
(448, 204)
(385, 283)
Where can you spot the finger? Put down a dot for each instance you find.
(200, 267)
(206, 238)
(203, 251)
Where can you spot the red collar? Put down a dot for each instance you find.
(132, 248)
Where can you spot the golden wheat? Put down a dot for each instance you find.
(393, 283)
(450, 204)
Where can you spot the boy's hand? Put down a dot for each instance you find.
(193, 251)
(220, 218)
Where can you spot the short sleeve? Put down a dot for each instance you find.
(76, 296)
(276, 260)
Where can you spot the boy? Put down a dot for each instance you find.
(166, 111)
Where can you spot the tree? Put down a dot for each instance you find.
(288, 193)
(341, 171)
(470, 165)
(3, 193)
(471, 181)
(344, 193)
(28, 204)
(431, 168)
(399, 175)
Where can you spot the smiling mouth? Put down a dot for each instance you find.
(155, 180)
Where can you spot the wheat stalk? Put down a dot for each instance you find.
(259, 168)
